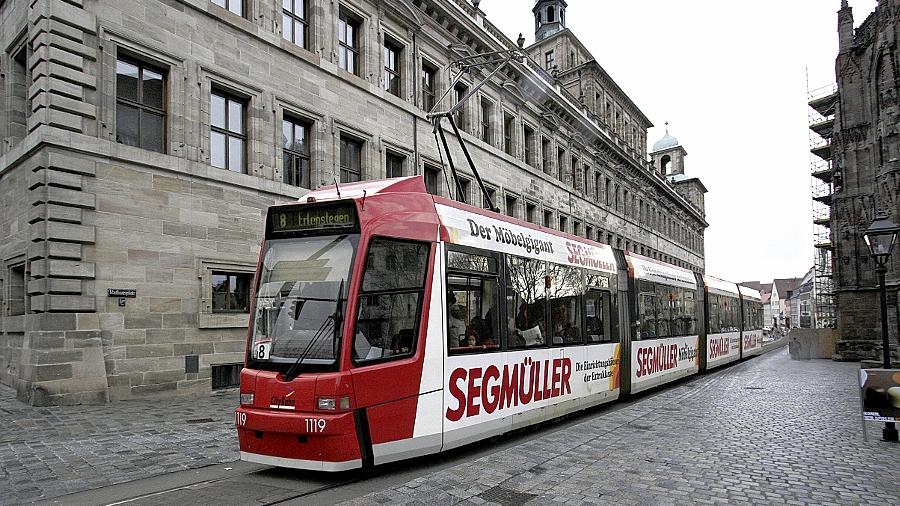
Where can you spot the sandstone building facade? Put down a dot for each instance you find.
(862, 175)
(142, 141)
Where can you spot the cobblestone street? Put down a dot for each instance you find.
(48, 452)
(769, 430)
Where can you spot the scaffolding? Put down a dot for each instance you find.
(822, 103)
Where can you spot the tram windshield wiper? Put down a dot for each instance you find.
(334, 321)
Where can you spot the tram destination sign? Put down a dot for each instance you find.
(312, 219)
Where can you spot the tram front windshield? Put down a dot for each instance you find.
(301, 295)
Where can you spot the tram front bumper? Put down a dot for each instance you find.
(300, 440)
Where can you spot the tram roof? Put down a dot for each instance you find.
(410, 184)
(586, 253)
(650, 269)
(750, 293)
(416, 185)
(720, 286)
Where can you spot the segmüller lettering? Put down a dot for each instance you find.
(490, 389)
(719, 347)
(656, 359)
(751, 340)
(579, 254)
(662, 358)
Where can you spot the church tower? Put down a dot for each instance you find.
(549, 18)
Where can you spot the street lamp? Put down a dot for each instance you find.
(881, 236)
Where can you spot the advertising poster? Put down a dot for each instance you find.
(656, 361)
(471, 229)
(722, 348)
(485, 387)
(880, 394)
(753, 342)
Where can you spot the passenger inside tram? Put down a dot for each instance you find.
(565, 327)
(525, 327)
(471, 314)
(595, 317)
(456, 325)
(565, 286)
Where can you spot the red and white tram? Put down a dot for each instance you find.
(390, 323)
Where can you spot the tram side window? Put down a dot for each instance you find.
(753, 316)
(473, 303)
(723, 314)
(525, 302)
(748, 315)
(666, 311)
(650, 315)
(731, 321)
(686, 322)
(390, 300)
(564, 289)
(596, 309)
(715, 324)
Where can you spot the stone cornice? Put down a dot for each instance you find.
(46, 136)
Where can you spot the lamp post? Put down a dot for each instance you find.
(881, 236)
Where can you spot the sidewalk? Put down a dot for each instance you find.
(48, 452)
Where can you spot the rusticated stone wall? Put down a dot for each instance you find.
(84, 213)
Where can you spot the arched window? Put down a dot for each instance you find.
(551, 14)
(665, 163)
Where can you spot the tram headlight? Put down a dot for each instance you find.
(247, 398)
(333, 403)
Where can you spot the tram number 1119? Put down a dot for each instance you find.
(315, 425)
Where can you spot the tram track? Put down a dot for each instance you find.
(207, 483)
(163, 492)
(315, 491)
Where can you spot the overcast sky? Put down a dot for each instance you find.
(730, 77)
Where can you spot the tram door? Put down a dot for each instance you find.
(394, 359)
(702, 320)
(625, 322)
